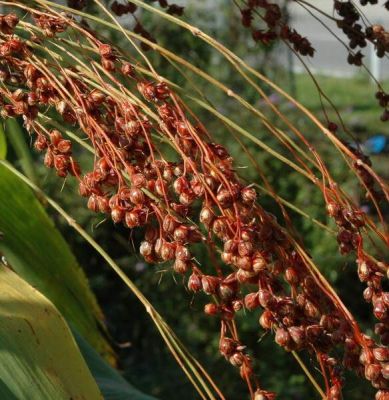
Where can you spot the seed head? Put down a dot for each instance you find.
(209, 284)
(181, 266)
(146, 248)
(194, 283)
(211, 309)
(251, 301)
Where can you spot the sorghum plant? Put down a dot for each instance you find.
(135, 120)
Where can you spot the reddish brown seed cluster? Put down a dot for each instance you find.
(349, 222)
(355, 58)
(276, 26)
(121, 8)
(51, 25)
(125, 7)
(235, 354)
(376, 367)
(377, 35)
(372, 273)
(365, 2)
(352, 26)
(11, 47)
(383, 101)
(350, 22)
(8, 23)
(360, 164)
(172, 9)
(77, 4)
(58, 154)
(108, 58)
(197, 199)
(140, 30)
(300, 44)
(21, 103)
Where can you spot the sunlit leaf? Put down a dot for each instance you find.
(39, 358)
(40, 255)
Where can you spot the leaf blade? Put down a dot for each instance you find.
(39, 358)
(112, 385)
(29, 234)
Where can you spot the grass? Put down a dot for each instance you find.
(354, 97)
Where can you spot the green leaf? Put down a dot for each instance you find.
(17, 140)
(112, 385)
(3, 142)
(39, 358)
(40, 255)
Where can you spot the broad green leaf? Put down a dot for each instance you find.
(39, 358)
(112, 385)
(39, 254)
(3, 142)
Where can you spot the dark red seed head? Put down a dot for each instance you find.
(128, 69)
(209, 284)
(282, 337)
(266, 320)
(264, 297)
(248, 195)
(105, 50)
(169, 224)
(251, 301)
(227, 347)
(181, 266)
(64, 146)
(194, 283)
(211, 309)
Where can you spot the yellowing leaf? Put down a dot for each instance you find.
(39, 359)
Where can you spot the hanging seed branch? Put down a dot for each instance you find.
(352, 240)
(195, 198)
(348, 18)
(125, 8)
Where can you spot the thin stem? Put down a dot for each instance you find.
(309, 375)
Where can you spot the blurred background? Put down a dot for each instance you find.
(142, 356)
